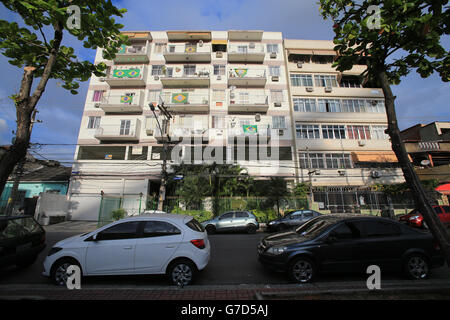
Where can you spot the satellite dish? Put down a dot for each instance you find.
(425, 163)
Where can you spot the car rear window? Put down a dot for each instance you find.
(437, 210)
(446, 209)
(195, 225)
(241, 215)
(18, 227)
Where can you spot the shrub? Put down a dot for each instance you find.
(199, 215)
(118, 214)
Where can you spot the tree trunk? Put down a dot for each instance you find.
(420, 198)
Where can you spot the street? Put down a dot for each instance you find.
(233, 262)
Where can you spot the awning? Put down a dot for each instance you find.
(444, 189)
(225, 42)
(374, 157)
(324, 52)
(300, 51)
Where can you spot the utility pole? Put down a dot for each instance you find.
(162, 188)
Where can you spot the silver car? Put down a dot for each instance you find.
(232, 221)
(292, 219)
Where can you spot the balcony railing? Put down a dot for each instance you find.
(261, 131)
(247, 77)
(185, 101)
(137, 53)
(246, 52)
(129, 131)
(248, 103)
(200, 78)
(131, 102)
(188, 52)
(127, 76)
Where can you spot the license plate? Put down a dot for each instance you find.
(23, 247)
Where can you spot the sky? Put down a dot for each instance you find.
(418, 100)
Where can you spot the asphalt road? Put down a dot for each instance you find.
(233, 262)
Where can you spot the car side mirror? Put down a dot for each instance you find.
(95, 237)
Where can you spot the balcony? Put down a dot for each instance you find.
(198, 52)
(185, 102)
(178, 133)
(244, 103)
(128, 130)
(186, 79)
(244, 77)
(126, 77)
(248, 52)
(123, 103)
(250, 133)
(136, 53)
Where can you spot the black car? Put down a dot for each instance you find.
(350, 243)
(21, 240)
(292, 219)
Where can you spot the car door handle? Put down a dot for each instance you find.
(128, 248)
(170, 247)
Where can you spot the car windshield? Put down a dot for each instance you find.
(315, 227)
(288, 213)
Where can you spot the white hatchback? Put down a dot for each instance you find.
(172, 244)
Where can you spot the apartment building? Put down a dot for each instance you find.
(339, 124)
(227, 93)
(275, 107)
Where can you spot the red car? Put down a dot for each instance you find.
(415, 219)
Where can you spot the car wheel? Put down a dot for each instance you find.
(210, 229)
(59, 274)
(302, 270)
(416, 267)
(182, 273)
(251, 228)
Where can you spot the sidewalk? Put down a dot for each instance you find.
(392, 290)
(72, 226)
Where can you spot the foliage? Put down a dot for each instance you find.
(118, 214)
(402, 188)
(301, 190)
(265, 215)
(409, 28)
(199, 215)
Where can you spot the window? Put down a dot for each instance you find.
(153, 95)
(338, 161)
(242, 49)
(127, 230)
(307, 131)
(227, 216)
(376, 106)
(345, 231)
(274, 71)
(189, 70)
(446, 209)
(272, 48)
(94, 122)
(305, 105)
(219, 95)
(329, 105)
(244, 98)
(279, 122)
(358, 132)
(160, 48)
(241, 215)
(333, 131)
(325, 81)
(157, 70)
(125, 127)
(195, 225)
(277, 95)
(379, 229)
(159, 229)
(219, 70)
(101, 152)
(307, 214)
(322, 59)
(301, 80)
(378, 132)
(218, 122)
(353, 105)
(350, 82)
(98, 96)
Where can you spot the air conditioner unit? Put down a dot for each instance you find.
(277, 104)
(97, 105)
(219, 132)
(231, 95)
(299, 65)
(361, 143)
(375, 174)
(219, 54)
(156, 78)
(328, 89)
(273, 55)
(342, 172)
(251, 45)
(200, 43)
(275, 78)
(219, 78)
(309, 89)
(150, 132)
(102, 79)
(374, 102)
(281, 132)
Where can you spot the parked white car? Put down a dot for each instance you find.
(172, 244)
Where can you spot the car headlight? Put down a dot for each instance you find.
(276, 250)
(271, 223)
(414, 217)
(53, 251)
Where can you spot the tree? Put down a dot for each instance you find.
(37, 48)
(392, 38)
(275, 189)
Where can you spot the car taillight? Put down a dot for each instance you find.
(436, 246)
(199, 243)
(43, 238)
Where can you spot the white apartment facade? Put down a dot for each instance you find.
(239, 93)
